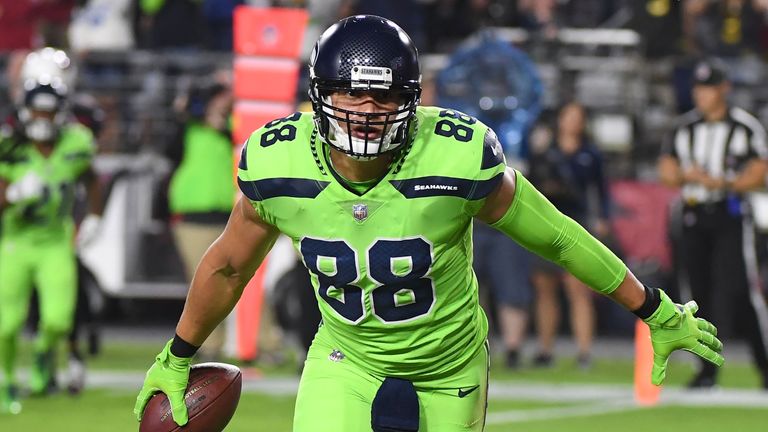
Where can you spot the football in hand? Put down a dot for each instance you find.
(211, 398)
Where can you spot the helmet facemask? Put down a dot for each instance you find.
(41, 129)
(336, 125)
(42, 99)
(370, 54)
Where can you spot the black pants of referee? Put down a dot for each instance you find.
(719, 259)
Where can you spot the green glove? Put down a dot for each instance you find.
(674, 327)
(169, 374)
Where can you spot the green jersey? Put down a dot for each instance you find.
(48, 218)
(392, 267)
(203, 180)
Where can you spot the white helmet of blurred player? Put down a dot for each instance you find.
(48, 66)
(43, 112)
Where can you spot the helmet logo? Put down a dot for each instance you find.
(703, 72)
(371, 77)
(360, 212)
(336, 356)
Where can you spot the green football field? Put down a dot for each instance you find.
(101, 410)
(562, 398)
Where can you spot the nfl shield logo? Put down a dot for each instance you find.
(360, 212)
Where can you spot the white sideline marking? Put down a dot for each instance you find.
(715, 397)
(606, 396)
(673, 397)
(516, 416)
(525, 390)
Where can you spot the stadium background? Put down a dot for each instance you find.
(628, 62)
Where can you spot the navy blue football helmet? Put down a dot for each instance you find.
(364, 53)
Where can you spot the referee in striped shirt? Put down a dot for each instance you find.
(716, 154)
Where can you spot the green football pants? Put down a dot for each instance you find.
(336, 396)
(52, 269)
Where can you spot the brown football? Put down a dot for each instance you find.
(211, 398)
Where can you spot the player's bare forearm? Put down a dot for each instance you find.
(224, 271)
(753, 177)
(670, 172)
(499, 201)
(95, 192)
(214, 291)
(630, 293)
(3, 188)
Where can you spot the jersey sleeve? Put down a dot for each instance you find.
(79, 149)
(758, 147)
(5, 171)
(246, 178)
(456, 148)
(491, 170)
(267, 157)
(668, 147)
(493, 161)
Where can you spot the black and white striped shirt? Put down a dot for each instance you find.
(721, 148)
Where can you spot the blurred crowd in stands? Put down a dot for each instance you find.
(670, 27)
(117, 44)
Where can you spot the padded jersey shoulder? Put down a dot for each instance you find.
(455, 147)
(278, 149)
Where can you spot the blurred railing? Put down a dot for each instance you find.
(602, 68)
(136, 89)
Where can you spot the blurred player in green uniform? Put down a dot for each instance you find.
(378, 196)
(37, 249)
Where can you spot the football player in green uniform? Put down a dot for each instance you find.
(37, 187)
(378, 196)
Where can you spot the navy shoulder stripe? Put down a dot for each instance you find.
(78, 155)
(483, 188)
(493, 153)
(432, 186)
(258, 190)
(243, 164)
